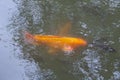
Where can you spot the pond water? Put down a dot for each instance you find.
(97, 21)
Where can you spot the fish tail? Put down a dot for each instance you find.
(28, 37)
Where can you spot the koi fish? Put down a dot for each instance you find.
(66, 44)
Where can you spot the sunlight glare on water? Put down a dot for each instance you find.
(11, 68)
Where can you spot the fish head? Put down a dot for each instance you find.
(82, 42)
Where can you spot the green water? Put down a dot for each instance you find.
(91, 20)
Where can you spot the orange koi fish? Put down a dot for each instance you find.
(60, 42)
(66, 44)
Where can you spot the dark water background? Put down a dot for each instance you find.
(97, 21)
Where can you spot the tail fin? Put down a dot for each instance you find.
(29, 38)
(27, 35)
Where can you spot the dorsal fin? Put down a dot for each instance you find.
(64, 30)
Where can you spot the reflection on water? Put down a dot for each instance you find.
(91, 19)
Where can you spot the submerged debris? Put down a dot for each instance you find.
(103, 45)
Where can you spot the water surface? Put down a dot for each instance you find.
(97, 21)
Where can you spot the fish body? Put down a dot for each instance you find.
(66, 44)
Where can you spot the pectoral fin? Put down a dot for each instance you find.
(52, 51)
(67, 49)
